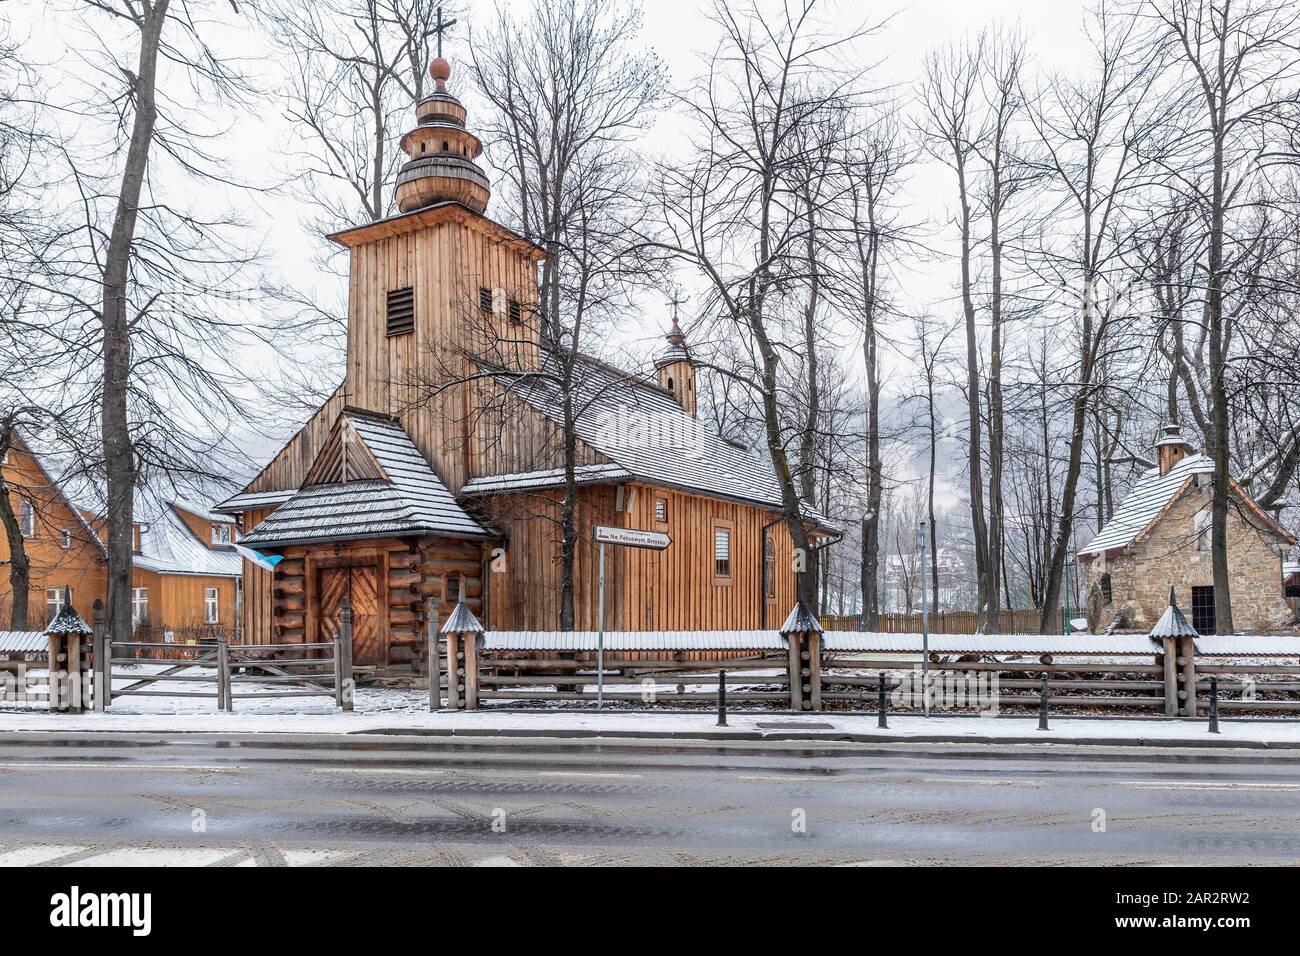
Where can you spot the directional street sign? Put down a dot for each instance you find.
(628, 538)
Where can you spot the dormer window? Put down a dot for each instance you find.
(221, 534)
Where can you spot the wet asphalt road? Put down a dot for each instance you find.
(254, 801)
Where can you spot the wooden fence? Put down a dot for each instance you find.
(1023, 621)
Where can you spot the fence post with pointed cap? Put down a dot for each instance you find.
(1177, 638)
(462, 631)
(803, 632)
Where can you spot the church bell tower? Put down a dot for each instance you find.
(676, 370)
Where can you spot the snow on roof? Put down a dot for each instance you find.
(549, 478)
(634, 640)
(1144, 503)
(254, 499)
(168, 546)
(640, 427)
(23, 642)
(801, 621)
(1034, 644)
(1249, 645)
(67, 621)
(409, 499)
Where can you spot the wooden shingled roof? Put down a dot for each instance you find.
(370, 481)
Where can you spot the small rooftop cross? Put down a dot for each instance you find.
(441, 27)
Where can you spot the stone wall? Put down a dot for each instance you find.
(1167, 556)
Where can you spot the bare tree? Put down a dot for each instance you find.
(1238, 67)
(730, 213)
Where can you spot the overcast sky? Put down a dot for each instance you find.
(257, 144)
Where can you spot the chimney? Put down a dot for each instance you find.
(1171, 449)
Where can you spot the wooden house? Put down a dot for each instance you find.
(427, 471)
(186, 573)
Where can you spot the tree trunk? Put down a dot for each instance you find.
(119, 453)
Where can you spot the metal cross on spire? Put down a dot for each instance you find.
(441, 27)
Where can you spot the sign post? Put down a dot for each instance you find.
(922, 543)
(620, 538)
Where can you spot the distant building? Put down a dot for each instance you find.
(902, 588)
(186, 573)
(1160, 537)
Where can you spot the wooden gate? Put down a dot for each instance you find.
(359, 584)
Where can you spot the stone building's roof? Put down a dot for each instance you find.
(1152, 494)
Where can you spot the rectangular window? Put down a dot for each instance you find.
(451, 588)
(721, 554)
(516, 312)
(139, 606)
(661, 509)
(401, 311)
(27, 520)
(1201, 528)
(210, 605)
(485, 299)
(55, 600)
(67, 539)
(1203, 610)
(221, 534)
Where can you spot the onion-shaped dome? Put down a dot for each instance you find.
(676, 351)
(442, 151)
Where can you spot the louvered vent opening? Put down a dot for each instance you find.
(401, 311)
(516, 313)
(485, 299)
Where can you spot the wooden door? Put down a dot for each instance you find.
(359, 585)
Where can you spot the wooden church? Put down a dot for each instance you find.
(423, 474)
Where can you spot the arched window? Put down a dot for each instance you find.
(769, 569)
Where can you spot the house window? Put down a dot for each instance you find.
(769, 569)
(721, 554)
(27, 520)
(210, 605)
(451, 588)
(67, 539)
(139, 606)
(1201, 528)
(55, 601)
(661, 509)
(1106, 596)
(1203, 610)
(221, 534)
(401, 311)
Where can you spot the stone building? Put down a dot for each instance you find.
(1160, 537)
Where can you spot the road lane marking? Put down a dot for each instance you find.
(123, 765)
(35, 855)
(1208, 785)
(589, 774)
(377, 770)
(985, 781)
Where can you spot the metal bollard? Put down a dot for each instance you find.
(882, 712)
(1042, 705)
(722, 698)
(1214, 705)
